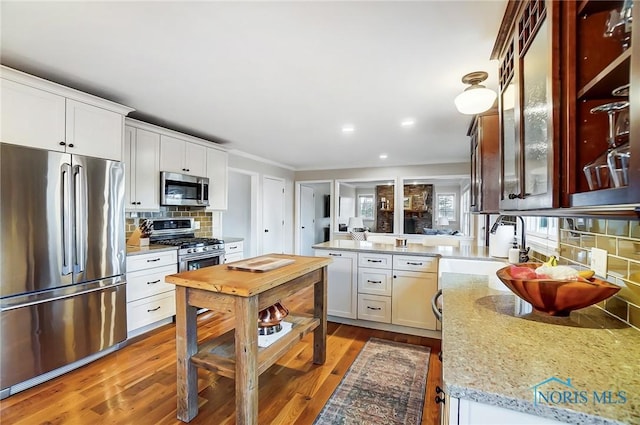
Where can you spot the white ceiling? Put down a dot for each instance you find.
(273, 79)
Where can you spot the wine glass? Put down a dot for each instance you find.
(599, 172)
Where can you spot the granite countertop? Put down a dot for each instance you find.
(495, 355)
(139, 250)
(467, 252)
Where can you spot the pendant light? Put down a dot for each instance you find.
(476, 98)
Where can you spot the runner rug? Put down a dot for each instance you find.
(384, 385)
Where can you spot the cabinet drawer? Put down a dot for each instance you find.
(374, 281)
(145, 283)
(233, 248)
(230, 258)
(375, 308)
(149, 310)
(415, 263)
(151, 260)
(378, 261)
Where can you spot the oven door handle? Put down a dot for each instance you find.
(207, 254)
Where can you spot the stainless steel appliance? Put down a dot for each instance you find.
(194, 253)
(62, 261)
(183, 189)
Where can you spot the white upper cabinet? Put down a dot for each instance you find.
(142, 162)
(32, 117)
(180, 156)
(93, 131)
(46, 115)
(217, 173)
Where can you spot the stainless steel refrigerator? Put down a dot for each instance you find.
(62, 261)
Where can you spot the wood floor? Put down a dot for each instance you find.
(137, 384)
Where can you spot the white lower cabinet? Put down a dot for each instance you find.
(233, 251)
(342, 283)
(374, 307)
(415, 281)
(149, 298)
(466, 412)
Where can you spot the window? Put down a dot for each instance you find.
(465, 216)
(446, 204)
(365, 207)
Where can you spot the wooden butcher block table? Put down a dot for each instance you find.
(236, 354)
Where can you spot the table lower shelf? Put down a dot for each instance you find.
(218, 354)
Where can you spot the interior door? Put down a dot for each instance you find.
(272, 215)
(307, 220)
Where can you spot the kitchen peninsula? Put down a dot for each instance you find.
(236, 354)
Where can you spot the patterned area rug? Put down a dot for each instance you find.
(384, 385)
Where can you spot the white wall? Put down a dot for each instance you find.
(263, 168)
(236, 221)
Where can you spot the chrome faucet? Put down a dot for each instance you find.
(524, 250)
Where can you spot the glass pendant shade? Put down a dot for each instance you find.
(476, 98)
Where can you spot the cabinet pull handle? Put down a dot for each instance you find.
(153, 260)
(233, 247)
(413, 264)
(154, 282)
(153, 309)
(374, 308)
(335, 255)
(375, 261)
(439, 390)
(374, 281)
(439, 399)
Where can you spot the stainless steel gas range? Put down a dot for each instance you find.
(193, 253)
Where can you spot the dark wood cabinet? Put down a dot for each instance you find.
(529, 104)
(596, 66)
(554, 65)
(485, 162)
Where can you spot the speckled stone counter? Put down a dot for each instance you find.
(467, 252)
(231, 240)
(138, 250)
(495, 355)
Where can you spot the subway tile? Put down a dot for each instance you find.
(595, 225)
(634, 316)
(634, 272)
(570, 237)
(617, 266)
(587, 241)
(629, 291)
(606, 242)
(618, 227)
(617, 307)
(634, 232)
(629, 248)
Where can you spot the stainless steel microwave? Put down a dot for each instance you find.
(183, 189)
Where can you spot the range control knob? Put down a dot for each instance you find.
(189, 251)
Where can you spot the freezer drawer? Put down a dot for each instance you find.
(39, 338)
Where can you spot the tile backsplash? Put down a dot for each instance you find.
(621, 238)
(199, 214)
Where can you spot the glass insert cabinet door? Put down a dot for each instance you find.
(536, 114)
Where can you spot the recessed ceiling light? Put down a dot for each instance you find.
(383, 156)
(348, 128)
(408, 122)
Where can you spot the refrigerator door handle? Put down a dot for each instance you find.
(80, 189)
(67, 220)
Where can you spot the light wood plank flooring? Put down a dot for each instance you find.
(137, 384)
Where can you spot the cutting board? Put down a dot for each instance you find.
(260, 264)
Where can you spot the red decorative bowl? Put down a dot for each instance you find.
(557, 297)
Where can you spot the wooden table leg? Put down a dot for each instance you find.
(246, 340)
(320, 311)
(186, 346)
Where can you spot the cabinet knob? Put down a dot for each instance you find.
(439, 390)
(515, 196)
(70, 145)
(62, 143)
